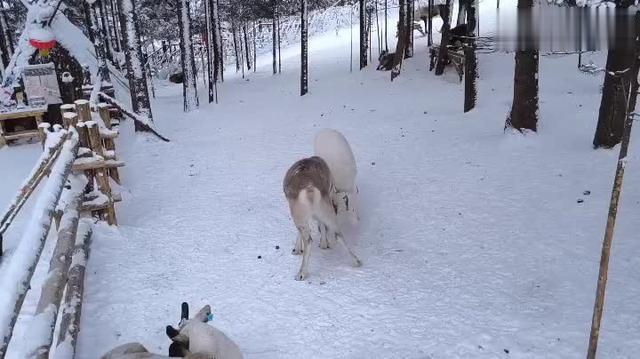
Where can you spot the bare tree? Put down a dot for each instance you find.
(445, 13)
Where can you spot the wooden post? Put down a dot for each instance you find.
(83, 136)
(611, 222)
(52, 288)
(72, 308)
(68, 107)
(43, 129)
(69, 119)
(84, 110)
(109, 144)
(101, 174)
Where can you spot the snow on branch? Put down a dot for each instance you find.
(145, 122)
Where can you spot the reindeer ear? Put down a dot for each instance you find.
(172, 332)
(185, 311)
(203, 314)
(178, 350)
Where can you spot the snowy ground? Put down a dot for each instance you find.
(473, 243)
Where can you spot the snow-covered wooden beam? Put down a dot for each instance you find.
(72, 308)
(43, 324)
(19, 270)
(51, 151)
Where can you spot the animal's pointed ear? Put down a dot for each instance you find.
(172, 332)
(185, 311)
(203, 314)
(178, 350)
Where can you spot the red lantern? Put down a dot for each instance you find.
(43, 40)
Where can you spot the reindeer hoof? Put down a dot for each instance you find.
(324, 246)
(296, 251)
(357, 263)
(301, 276)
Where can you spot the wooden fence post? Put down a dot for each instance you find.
(101, 174)
(109, 144)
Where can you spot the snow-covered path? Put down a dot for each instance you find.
(474, 245)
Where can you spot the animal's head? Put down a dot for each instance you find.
(179, 337)
(382, 55)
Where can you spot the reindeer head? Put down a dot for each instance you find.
(179, 337)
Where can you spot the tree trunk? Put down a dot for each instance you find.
(279, 48)
(402, 38)
(612, 114)
(445, 13)
(246, 46)
(104, 28)
(220, 47)
(386, 23)
(274, 39)
(114, 27)
(187, 58)
(430, 24)
(409, 29)
(211, 60)
(136, 72)
(470, 59)
(236, 51)
(462, 11)
(5, 41)
(304, 53)
(363, 34)
(524, 110)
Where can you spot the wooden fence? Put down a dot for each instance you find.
(80, 161)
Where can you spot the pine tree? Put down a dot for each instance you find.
(136, 72)
(524, 110)
(470, 59)
(363, 34)
(304, 53)
(189, 87)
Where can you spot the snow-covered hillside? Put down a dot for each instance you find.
(476, 243)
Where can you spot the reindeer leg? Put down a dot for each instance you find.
(297, 249)
(324, 239)
(356, 261)
(306, 251)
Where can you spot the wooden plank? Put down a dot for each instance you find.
(97, 164)
(100, 204)
(26, 112)
(22, 134)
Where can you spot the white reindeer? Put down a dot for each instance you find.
(334, 148)
(193, 340)
(308, 186)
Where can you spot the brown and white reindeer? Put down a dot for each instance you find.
(308, 186)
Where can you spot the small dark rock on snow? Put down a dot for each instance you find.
(259, 257)
(580, 200)
(586, 193)
(277, 247)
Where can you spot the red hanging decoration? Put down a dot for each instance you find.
(43, 40)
